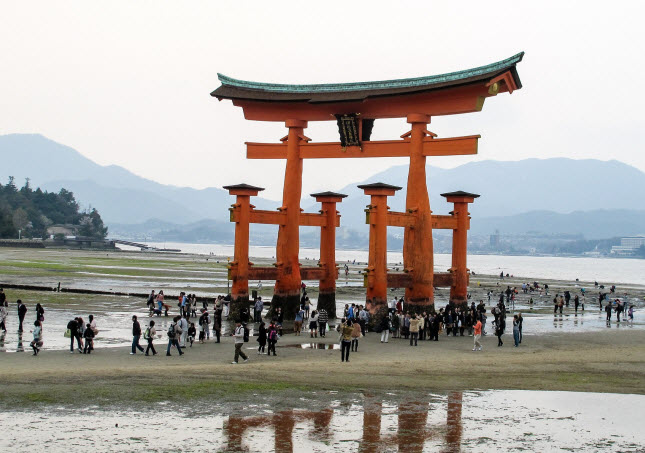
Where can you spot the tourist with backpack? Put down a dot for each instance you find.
(272, 337)
(173, 334)
(149, 336)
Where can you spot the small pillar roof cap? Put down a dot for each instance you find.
(379, 185)
(243, 187)
(460, 193)
(329, 194)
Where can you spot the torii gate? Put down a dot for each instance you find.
(355, 106)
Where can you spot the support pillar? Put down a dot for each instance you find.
(327, 287)
(239, 268)
(459, 269)
(376, 272)
(286, 294)
(418, 257)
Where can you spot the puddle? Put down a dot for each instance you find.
(333, 421)
(311, 346)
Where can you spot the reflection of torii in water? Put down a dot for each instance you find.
(412, 433)
(283, 423)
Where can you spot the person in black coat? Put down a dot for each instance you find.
(262, 337)
(136, 334)
(74, 330)
(22, 311)
(89, 338)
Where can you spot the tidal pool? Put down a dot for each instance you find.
(331, 422)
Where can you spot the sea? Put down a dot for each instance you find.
(586, 269)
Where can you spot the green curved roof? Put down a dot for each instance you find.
(231, 86)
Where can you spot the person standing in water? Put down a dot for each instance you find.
(3, 316)
(22, 311)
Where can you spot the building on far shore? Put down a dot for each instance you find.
(66, 230)
(628, 245)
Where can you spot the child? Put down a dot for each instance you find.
(272, 336)
(37, 343)
(630, 313)
(88, 335)
(191, 333)
(202, 335)
(262, 338)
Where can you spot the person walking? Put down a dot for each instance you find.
(239, 342)
(174, 330)
(516, 331)
(149, 336)
(40, 313)
(477, 331)
(313, 324)
(500, 324)
(22, 311)
(608, 310)
(345, 339)
(272, 337)
(385, 327)
(3, 315)
(322, 322)
(136, 334)
(217, 324)
(520, 321)
(297, 321)
(37, 342)
(356, 334)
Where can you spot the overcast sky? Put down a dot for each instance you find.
(128, 82)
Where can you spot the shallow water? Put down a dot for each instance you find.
(113, 316)
(331, 422)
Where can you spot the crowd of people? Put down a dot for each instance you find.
(197, 322)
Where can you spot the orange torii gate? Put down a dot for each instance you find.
(355, 107)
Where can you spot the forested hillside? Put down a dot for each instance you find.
(32, 211)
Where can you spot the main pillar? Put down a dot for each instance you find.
(417, 241)
(286, 294)
(327, 288)
(376, 272)
(459, 269)
(239, 268)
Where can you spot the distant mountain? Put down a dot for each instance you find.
(515, 196)
(508, 188)
(119, 195)
(597, 224)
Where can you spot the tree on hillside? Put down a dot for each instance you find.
(32, 211)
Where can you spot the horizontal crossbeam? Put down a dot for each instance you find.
(258, 216)
(454, 146)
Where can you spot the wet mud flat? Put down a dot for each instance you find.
(330, 421)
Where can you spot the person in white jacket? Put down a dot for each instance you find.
(183, 324)
(3, 316)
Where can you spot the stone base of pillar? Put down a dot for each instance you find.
(376, 317)
(236, 306)
(459, 301)
(418, 307)
(327, 301)
(289, 303)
